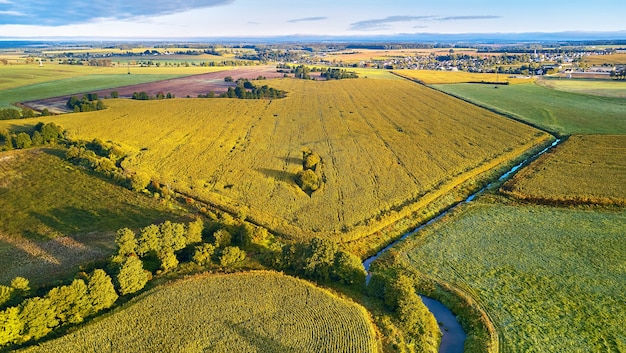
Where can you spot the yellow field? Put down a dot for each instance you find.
(615, 59)
(386, 146)
(357, 55)
(243, 312)
(585, 169)
(12, 76)
(433, 77)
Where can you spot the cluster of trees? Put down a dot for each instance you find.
(9, 113)
(321, 260)
(338, 74)
(421, 331)
(106, 158)
(144, 96)
(35, 317)
(87, 103)
(310, 178)
(619, 73)
(247, 90)
(42, 134)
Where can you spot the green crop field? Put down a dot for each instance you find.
(585, 169)
(604, 88)
(74, 85)
(385, 145)
(244, 312)
(55, 216)
(560, 112)
(552, 279)
(13, 76)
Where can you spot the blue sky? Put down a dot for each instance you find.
(257, 18)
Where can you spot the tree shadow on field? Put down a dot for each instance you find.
(261, 343)
(278, 175)
(292, 160)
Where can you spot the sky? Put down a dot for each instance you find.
(269, 18)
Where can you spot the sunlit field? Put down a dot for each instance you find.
(244, 312)
(431, 77)
(589, 169)
(385, 145)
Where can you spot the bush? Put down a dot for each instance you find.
(231, 255)
(308, 181)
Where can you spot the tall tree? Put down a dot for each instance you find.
(126, 242)
(39, 318)
(132, 277)
(101, 291)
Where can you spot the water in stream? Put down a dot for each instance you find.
(453, 338)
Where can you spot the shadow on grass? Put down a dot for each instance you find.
(262, 343)
(278, 175)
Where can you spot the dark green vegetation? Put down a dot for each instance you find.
(560, 112)
(245, 312)
(55, 215)
(552, 279)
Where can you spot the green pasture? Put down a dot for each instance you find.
(75, 85)
(552, 279)
(560, 112)
(54, 214)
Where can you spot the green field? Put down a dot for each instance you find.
(588, 169)
(560, 112)
(603, 88)
(244, 312)
(56, 216)
(552, 279)
(243, 155)
(74, 85)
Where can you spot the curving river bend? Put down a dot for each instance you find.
(453, 335)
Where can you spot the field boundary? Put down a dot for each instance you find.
(486, 107)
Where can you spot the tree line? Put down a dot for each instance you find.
(42, 134)
(10, 113)
(247, 90)
(87, 103)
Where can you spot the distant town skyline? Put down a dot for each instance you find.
(253, 18)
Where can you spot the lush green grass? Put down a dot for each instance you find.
(54, 215)
(244, 312)
(560, 112)
(74, 85)
(552, 279)
(605, 88)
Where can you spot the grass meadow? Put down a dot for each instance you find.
(431, 77)
(552, 279)
(243, 312)
(560, 112)
(588, 169)
(55, 216)
(384, 144)
(603, 88)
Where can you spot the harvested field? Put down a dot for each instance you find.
(588, 169)
(388, 148)
(190, 86)
(603, 88)
(243, 312)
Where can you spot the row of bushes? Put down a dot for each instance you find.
(42, 134)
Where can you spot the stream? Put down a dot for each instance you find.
(453, 335)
